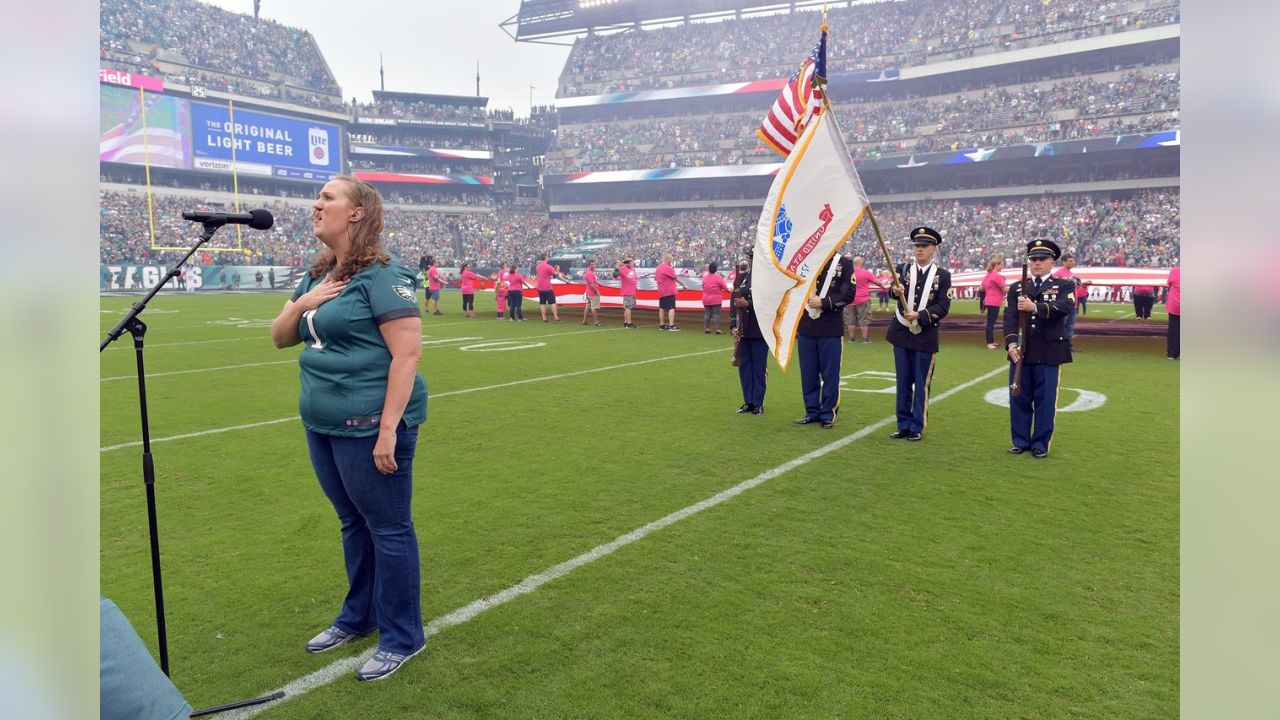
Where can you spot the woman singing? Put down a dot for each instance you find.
(362, 399)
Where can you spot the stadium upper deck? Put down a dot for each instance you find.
(876, 36)
(1090, 102)
(1106, 104)
(192, 43)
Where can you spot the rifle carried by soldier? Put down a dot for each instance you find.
(1015, 387)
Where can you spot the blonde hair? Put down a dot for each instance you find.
(365, 235)
(993, 262)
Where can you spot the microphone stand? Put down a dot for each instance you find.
(138, 330)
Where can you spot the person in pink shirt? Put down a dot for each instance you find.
(857, 314)
(886, 281)
(500, 292)
(1144, 298)
(515, 294)
(1173, 339)
(1069, 262)
(994, 290)
(433, 285)
(544, 271)
(665, 276)
(713, 292)
(626, 275)
(468, 286)
(592, 294)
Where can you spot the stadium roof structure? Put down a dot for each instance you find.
(541, 20)
(410, 97)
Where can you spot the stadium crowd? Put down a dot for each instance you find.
(1128, 230)
(443, 140)
(1138, 101)
(865, 37)
(214, 39)
(421, 110)
(443, 166)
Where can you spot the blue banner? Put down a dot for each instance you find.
(265, 140)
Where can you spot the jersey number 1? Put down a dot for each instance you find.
(310, 316)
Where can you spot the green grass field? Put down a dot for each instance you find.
(878, 579)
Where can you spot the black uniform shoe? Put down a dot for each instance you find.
(828, 424)
(915, 437)
(805, 420)
(744, 408)
(899, 434)
(1039, 454)
(1015, 450)
(757, 410)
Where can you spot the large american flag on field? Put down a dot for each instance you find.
(798, 103)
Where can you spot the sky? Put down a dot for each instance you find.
(428, 46)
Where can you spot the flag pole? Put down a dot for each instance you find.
(871, 215)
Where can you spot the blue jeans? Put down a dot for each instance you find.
(515, 304)
(378, 540)
(1071, 324)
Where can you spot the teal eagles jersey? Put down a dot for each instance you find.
(344, 360)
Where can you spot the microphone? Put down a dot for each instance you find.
(256, 219)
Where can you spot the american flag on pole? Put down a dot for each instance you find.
(798, 103)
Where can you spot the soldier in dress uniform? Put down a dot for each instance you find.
(820, 342)
(914, 333)
(1046, 347)
(752, 350)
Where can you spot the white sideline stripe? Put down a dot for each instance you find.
(464, 391)
(198, 370)
(118, 343)
(122, 342)
(137, 443)
(425, 344)
(333, 671)
(578, 372)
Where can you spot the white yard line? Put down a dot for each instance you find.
(432, 396)
(125, 342)
(346, 665)
(425, 344)
(198, 370)
(124, 339)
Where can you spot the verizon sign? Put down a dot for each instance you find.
(133, 80)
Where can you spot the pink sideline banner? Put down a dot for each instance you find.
(572, 295)
(133, 80)
(1110, 276)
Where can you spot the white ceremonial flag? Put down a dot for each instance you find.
(815, 204)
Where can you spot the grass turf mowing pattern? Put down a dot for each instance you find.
(940, 579)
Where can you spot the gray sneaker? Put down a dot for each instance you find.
(384, 663)
(331, 638)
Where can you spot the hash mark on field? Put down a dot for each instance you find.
(464, 391)
(333, 671)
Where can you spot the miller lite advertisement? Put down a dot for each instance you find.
(318, 139)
